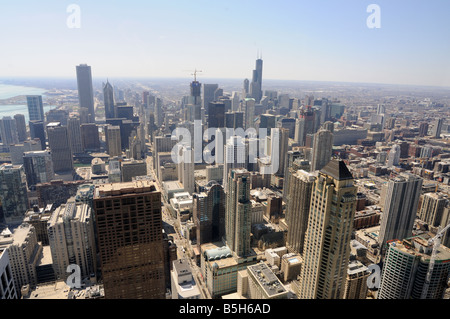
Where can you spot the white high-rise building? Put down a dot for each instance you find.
(234, 156)
(394, 156)
(322, 149)
(7, 288)
(400, 208)
(71, 239)
(24, 251)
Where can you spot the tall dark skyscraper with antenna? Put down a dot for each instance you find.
(85, 90)
(256, 84)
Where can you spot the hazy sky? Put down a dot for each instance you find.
(314, 40)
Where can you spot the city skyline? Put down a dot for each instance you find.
(321, 41)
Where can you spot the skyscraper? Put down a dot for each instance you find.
(400, 208)
(437, 128)
(208, 94)
(238, 212)
(300, 188)
(326, 248)
(38, 167)
(322, 149)
(74, 131)
(130, 239)
(85, 90)
(90, 137)
(8, 131)
(432, 208)
(406, 266)
(256, 84)
(234, 157)
(216, 115)
(35, 108)
(249, 110)
(58, 142)
(71, 239)
(108, 100)
(21, 127)
(394, 156)
(209, 214)
(113, 140)
(13, 193)
(37, 130)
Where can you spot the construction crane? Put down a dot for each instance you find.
(436, 242)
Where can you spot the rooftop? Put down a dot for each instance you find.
(117, 189)
(337, 169)
(267, 279)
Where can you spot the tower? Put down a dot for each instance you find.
(238, 212)
(300, 190)
(13, 193)
(108, 100)
(85, 90)
(400, 208)
(58, 142)
(35, 108)
(326, 248)
(130, 239)
(74, 131)
(322, 149)
(256, 84)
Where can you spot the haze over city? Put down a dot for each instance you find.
(309, 41)
(222, 155)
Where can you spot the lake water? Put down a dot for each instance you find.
(9, 91)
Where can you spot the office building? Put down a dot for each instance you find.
(71, 239)
(209, 214)
(7, 288)
(401, 200)
(238, 212)
(249, 112)
(327, 241)
(24, 251)
(13, 193)
(256, 84)
(264, 284)
(297, 215)
(130, 239)
(405, 269)
(74, 131)
(356, 281)
(183, 285)
(35, 108)
(394, 156)
(8, 131)
(234, 120)
(208, 94)
(86, 91)
(216, 115)
(16, 150)
(21, 127)
(437, 127)
(234, 157)
(322, 149)
(38, 167)
(113, 142)
(186, 169)
(58, 142)
(432, 208)
(90, 137)
(133, 168)
(37, 130)
(108, 100)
